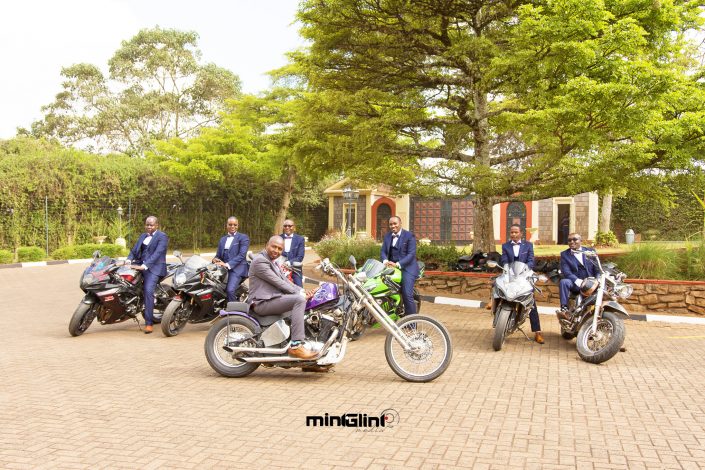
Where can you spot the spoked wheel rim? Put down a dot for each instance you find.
(429, 348)
(230, 333)
(601, 338)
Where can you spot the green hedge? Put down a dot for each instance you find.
(30, 253)
(86, 251)
(339, 248)
(652, 261)
(6, 257)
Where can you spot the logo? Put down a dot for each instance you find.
(387, 419)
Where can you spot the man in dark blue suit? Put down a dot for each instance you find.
(575, 267)
(232, 254)
(294, 247)
(517, 249)
(399, 250)
(149, 256)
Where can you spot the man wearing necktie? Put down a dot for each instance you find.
(399, 250)
(294, 247)
(149, 256)
(575, 267)
(232, 255)
(517, 249)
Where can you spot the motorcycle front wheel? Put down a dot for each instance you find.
(431, 353)
(222, 332)
(175, 317)
(605, 342)
(501, 327)
(82, 318)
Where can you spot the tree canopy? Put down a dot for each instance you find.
(501, 99)
(156, 89)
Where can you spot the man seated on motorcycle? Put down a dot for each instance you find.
(520, 250)
(272, 294)
(399, 251)
(575, 267)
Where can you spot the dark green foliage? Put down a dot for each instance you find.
(6, 257)
(438, 257)
(339, 248)
(30, 253)
(86, 251)
(653, 261)
(603, 239)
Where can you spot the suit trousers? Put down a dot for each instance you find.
(534, 319)
(565, 287)
(150, 281)
(407, 292)
(296, 303)
(234, 281)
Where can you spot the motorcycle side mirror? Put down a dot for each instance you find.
(96, 254)
(492, 264)
(249, 256)
(177, 253)
(353, 261)
(296, 264)
(212, 267)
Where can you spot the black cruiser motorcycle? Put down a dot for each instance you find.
(113, 294)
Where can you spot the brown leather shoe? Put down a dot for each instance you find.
(301, 352)
(148, 329)
(538, 337)
(488, 306)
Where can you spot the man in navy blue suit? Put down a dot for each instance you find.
(149, 256)
(517, 249)
(399, 250)
(575, 267)
(232, 254)
(294, 247)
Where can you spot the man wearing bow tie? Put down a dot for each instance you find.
(294, 247)
(149, 256)
(575, 267)
(232, 254)
(517, 249)
(399, 250)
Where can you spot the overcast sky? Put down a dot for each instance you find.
(38, 38)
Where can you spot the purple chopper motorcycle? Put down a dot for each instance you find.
(418, 348)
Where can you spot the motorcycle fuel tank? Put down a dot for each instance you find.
(326, 292)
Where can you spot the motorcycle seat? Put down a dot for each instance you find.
(264, 320)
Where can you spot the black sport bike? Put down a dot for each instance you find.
(113, 294)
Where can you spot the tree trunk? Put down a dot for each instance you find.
(606, 212)
(483, 224)
(286, 200)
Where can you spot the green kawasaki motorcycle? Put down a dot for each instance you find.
(384, 283)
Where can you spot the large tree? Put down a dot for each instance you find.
(501, 99)
(156, 89)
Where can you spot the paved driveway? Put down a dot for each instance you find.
(116, 398)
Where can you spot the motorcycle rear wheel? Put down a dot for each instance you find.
(175, 318)
(433, 355)
(501, 327)
(82, 318)
(219, 359)
(606, 341)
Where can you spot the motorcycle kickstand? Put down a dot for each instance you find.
(139, 327)
(522, 332)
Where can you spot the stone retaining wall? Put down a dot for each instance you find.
(686, 297)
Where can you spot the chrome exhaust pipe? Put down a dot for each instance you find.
(287, 358)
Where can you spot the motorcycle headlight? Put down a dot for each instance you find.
(87, 280)
(179, 278)
(623, 291)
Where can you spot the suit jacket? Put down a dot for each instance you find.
(267, 280)
(407, 251)
(153, 255)
(236, 257)
(572, 269)
(297, 249)
(526, 254)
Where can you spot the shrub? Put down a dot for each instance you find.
(649, 261)
(339, 247)
(86, 251)
(691, 262)
(437, 257)
(6, 257)
(608, 238)
(30, 253)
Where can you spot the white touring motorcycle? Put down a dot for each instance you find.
(418, 348)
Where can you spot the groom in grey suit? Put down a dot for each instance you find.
(273, 294)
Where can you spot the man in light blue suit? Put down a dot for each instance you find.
(575, 267)
(232, 254)
(149, 256)
(294, 247)
(399, 250)
(517, 249)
